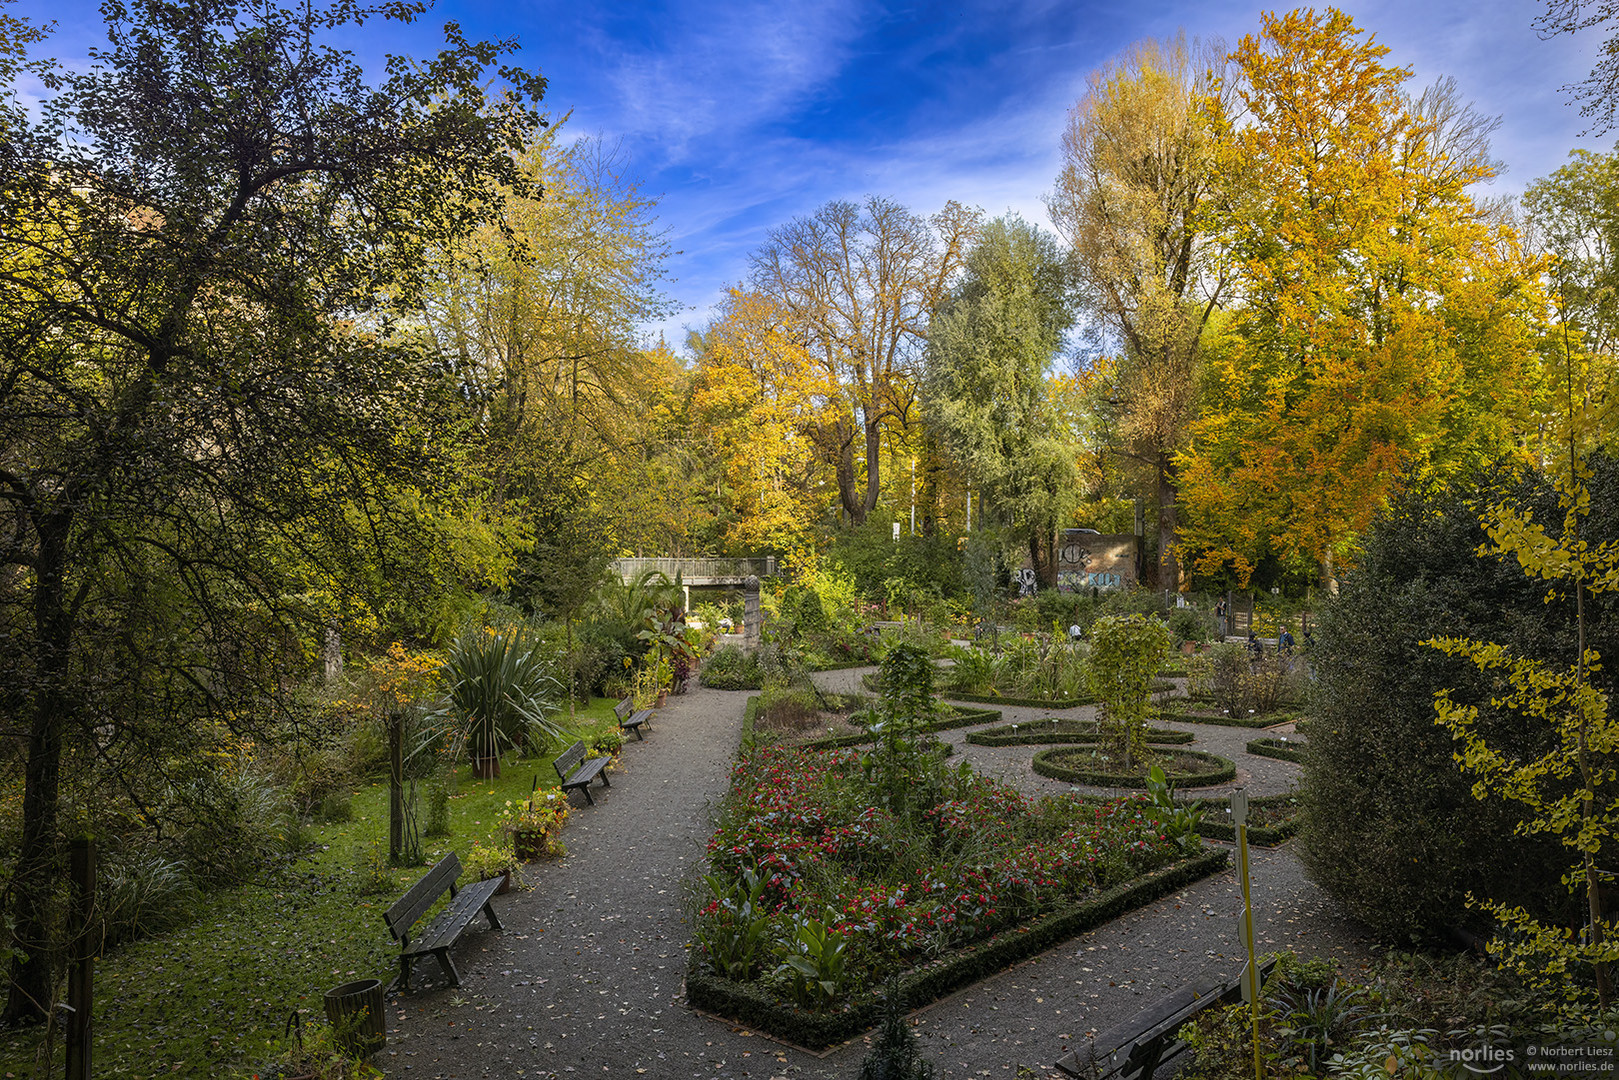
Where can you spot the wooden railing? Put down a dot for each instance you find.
(702, 570)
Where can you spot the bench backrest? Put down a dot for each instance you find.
(622, 709)
(422, 895)
(569, 759)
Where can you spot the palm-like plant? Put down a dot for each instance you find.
(497, 696)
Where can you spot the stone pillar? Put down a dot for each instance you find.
(752, 619)
(331, 651)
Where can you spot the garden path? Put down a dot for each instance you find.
(586, 978)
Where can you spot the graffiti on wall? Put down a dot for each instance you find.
(1075, 580)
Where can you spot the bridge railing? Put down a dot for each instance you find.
(698, 568)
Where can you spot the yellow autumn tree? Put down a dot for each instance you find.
(758, 392)
(1383, 319)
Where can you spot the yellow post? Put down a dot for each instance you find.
(1239, 816)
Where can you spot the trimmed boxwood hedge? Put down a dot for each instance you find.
(1041, 734)
(957, 718)
(818, 1030)
(1033, 703)
(845, 665)
(1223, 769)
(1224, 721)
(871, 682)
(1278, 748)
(1216, 825)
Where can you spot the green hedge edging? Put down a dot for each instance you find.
(845, 665)
(1033, 735)
(1279, 749)
(750, 712)
(871, 682)
(1033, 703)
(962, 718)
(1220, 721)
(817, 1031)
(1215, 827)
(1226, 770)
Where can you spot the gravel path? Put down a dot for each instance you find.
(586, 979)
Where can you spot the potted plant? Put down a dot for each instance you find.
(609, 743)
(488, 862)
(536, 825)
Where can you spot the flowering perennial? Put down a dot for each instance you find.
(901, 890)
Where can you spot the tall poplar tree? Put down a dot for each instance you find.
(1133, 200)
(987, 389)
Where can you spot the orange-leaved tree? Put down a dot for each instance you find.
(1383, 319)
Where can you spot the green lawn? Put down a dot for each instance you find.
(211, 999)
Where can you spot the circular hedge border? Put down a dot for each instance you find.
(1278, 748)
(1222, 770)
(1040, 733)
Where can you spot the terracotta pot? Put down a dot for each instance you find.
(1188, 647)
(505, 882)
(663, 695)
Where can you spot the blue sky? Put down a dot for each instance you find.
(741, 116)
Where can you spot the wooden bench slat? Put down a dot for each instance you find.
(1135, 1050)
(404, 912)
(440, 934)
(443, 930)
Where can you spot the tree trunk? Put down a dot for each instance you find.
(396, 788)
(1043, 557)
(874, 448)
(846, 491)
(37, 863)
(1168, 565)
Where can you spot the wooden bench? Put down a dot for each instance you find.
(632, 719)
(443, 931)
(1135, 1050)
(577, 772)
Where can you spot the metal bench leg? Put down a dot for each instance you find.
(588, 800)
(605, 782)
(405, 964)
(489, 910)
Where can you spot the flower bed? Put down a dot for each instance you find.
(829, 880)
(1079, 765)
(1042, 732)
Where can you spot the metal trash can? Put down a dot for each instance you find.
(356, 1012)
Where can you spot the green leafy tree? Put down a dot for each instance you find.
(205, 398)
(1390, 826)
(987, 391)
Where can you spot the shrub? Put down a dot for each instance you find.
(895, 1056)
(1390, 825)
(731, 669)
